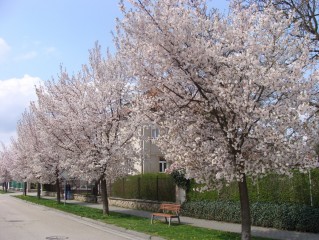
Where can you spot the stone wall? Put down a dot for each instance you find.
(140, 204)
(49, 194)
(85, 198)
(52, 194)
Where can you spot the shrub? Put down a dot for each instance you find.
(219, 211)
(180, 180)
(281, 216)
(272, 188)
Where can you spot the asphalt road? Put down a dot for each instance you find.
(24, 221)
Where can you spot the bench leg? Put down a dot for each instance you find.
(166, 219)
(179, 221)
(152, 219)
(169, 221)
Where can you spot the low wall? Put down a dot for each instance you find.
(84, 198)
(53, 194)
(49, 194)
(21, 189)
(78, 197)
(140, 204)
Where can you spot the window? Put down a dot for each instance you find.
(154, 133)
(162, 164)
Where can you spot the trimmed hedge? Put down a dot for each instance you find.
(272, 188)
(281, 216)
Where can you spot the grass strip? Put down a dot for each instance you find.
(4, 192)
(139, 224)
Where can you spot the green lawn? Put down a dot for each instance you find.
(3, 192)
(176, 231)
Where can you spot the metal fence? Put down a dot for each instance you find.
(148, 187)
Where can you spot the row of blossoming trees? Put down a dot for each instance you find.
(235, 96)
(80, 126)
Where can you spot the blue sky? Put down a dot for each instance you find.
(36, 36)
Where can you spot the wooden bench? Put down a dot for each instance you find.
(168, 211)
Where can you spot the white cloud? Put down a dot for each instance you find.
(27, 56)
(15, 97)
(4, 49)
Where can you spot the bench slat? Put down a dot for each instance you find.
(168, 211)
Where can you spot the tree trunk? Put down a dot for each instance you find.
(25, 185)
(6, 186)
(245, 210)
(105, 201)
(58, 191)
(38, 190)
(95, 190)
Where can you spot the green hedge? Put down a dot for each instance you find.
(150, 186)
(272, 188)
(280, 216)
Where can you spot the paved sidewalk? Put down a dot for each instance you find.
(223, 226)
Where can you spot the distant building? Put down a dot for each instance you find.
(152, 159)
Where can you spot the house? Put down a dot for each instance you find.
(152, 159)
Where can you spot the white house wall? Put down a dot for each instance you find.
(150, 154)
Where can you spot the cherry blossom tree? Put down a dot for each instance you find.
(32, 158)
(21, 167)
(306, 14)
(232, 93)
(89, 117)
(48, 160)
(5, 176)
